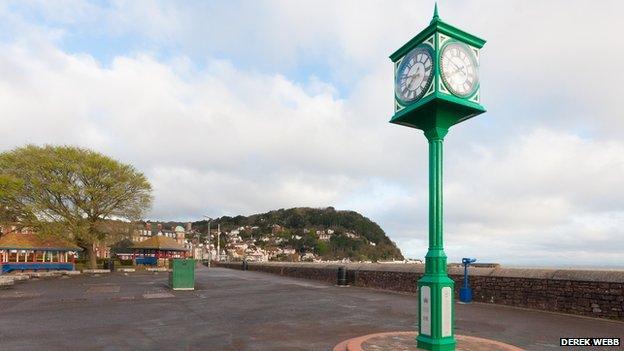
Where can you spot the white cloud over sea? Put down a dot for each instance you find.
(242, 107)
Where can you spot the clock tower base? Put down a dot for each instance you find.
(435, 288)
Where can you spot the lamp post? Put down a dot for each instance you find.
(218, 242)
(208, 238)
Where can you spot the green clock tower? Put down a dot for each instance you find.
(436, 85)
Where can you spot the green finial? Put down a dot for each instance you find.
(435, 13)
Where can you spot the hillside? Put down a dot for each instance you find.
(325, 232)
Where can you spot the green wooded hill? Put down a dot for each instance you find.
(304, 222)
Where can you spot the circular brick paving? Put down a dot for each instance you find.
(405, 341)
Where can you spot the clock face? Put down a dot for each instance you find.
(459, 69)
(414, 75)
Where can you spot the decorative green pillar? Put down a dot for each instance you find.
(436, 86)
(435, 288)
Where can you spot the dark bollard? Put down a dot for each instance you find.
(342, 276)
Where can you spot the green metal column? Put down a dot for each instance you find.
(435, 288)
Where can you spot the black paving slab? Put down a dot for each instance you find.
(236, 310)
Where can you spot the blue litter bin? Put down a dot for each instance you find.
(465, 292)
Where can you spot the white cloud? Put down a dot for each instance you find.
(283, 104)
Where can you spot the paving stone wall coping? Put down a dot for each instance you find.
(20, 276)
(6, 280)
(95, 271)
(608, 276)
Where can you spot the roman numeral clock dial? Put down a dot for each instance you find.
(459, 69)
(414, 75)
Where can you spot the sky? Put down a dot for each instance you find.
(241, 107)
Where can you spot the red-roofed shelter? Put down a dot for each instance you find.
(20, 251)
(157, 249)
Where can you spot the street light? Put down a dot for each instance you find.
(219, 242)
(208, 238)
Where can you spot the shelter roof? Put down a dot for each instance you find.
(33, 241)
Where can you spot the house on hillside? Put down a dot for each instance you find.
(323, 236)
(288, 251)
(178, 233)
(351, 235)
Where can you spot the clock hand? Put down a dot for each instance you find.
(455, 71)
(458, 68)
(411, 77)
(415, 74)
(414, 79)
(408, 82)
(453, 63)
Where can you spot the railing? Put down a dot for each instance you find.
(147, 261)
(35, 266)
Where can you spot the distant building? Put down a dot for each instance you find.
(256, 256)
(199, 252)
(288, 251)
(149, 230)
(351, 235)
(324, 237)
(241, 246)
(102, 250)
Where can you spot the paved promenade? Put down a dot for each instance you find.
(236, 310)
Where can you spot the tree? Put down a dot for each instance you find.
(70, 191)
(322, 248)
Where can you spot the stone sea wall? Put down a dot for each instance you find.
(590, 293)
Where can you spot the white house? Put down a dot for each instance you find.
(288, 251)
(324, 237)
(351, 235)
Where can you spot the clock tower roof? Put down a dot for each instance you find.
(436, 17)
(437, 25)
